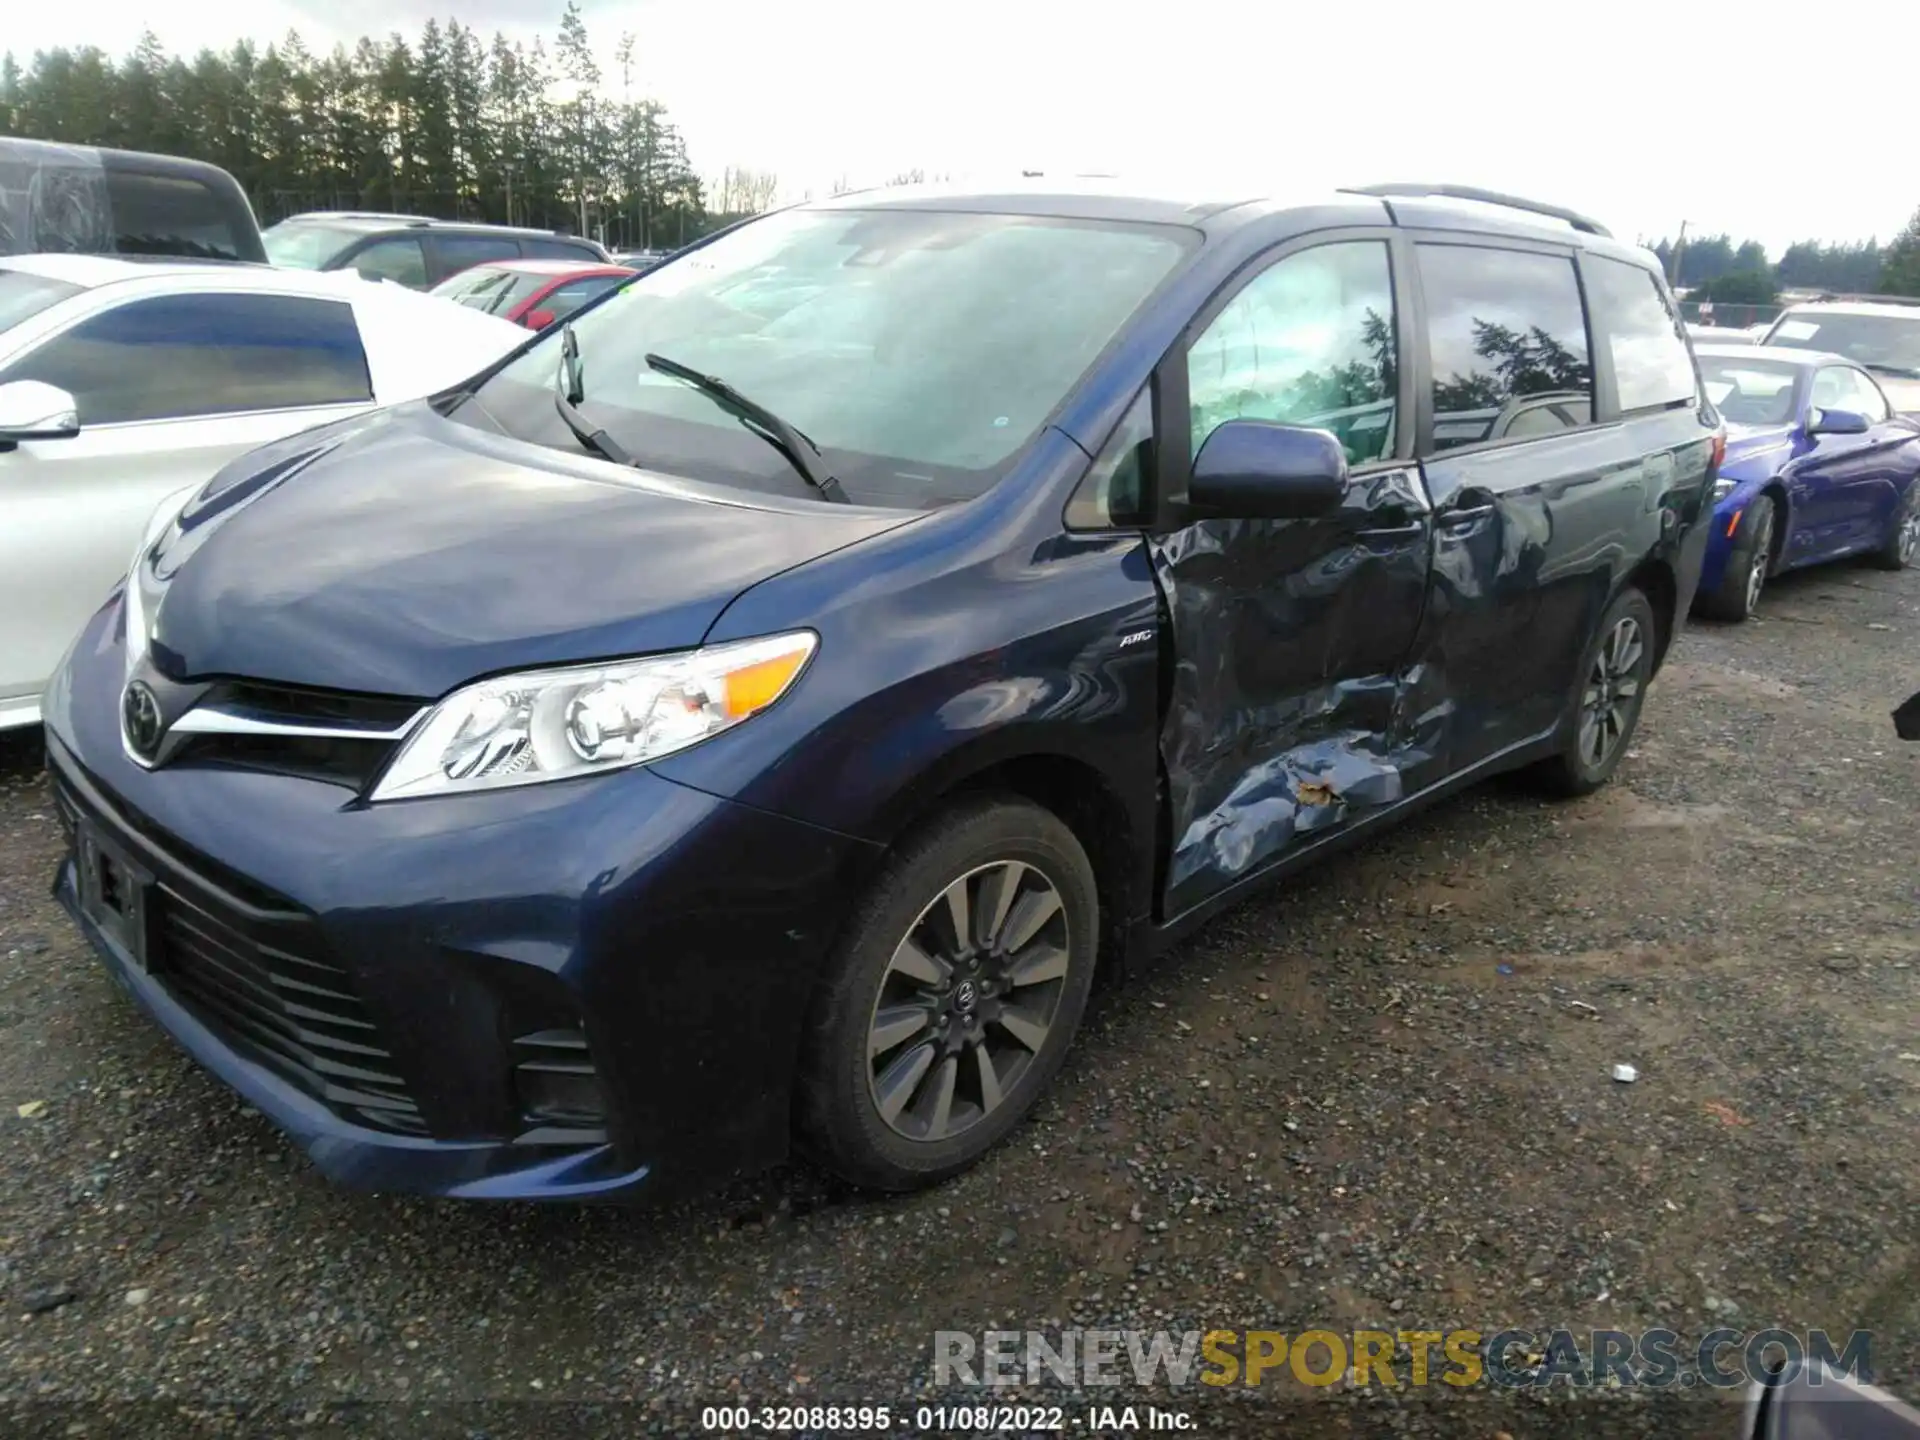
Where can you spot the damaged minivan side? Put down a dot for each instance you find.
(745, 718)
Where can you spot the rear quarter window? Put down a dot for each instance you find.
(1642, 335)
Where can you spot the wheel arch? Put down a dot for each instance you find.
(1654, 578)
(1079, 792)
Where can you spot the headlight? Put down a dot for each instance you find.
(1723, 488)
(553, 724)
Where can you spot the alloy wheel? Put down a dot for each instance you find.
(1757, 566)
(1612, 691)
(967, 1001)
(1909, 532)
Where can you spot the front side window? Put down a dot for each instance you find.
(921, 351)
(1114, 491)
(1644, 337)
(1505, 329)
(183, 355)
(398, 258)
(1841, 387)
(1309, 341)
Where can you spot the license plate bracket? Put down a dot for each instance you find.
(115, 894)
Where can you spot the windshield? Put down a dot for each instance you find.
(23, 296)
(1750, 392)
(489, 290)
(1885, 342)
(919, 350)
(304, 246)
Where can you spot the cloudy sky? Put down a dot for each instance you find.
(1641, 113)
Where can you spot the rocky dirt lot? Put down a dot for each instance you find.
(1380, 1098)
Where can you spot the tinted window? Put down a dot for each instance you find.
(23, 296)
(166, 215)
(398, 258)
(457, 252)
(185, 355)
(558, 249)
(1644, 338)
(1503, 326)
(563, 300)
(1114, 490)
(1308, 341)
(302, 245)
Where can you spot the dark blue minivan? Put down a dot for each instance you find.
(748, 717)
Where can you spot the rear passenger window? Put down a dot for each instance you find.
(1643, 336)
(183, 355)
(460, 252)
(557, 249)
(1309, 341)
(166, 215)
(1505, 332)
(399, 259)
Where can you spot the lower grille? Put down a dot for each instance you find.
(295, 1013)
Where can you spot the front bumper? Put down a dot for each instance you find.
(675, 934)
(1726, 526)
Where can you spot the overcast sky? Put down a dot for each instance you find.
(1640, 113)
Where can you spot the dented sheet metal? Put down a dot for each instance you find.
(1288, 714)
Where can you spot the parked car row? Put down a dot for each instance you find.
(744, 716)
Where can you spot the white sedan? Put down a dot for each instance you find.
(123, 382)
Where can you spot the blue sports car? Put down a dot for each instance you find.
(1817, 467)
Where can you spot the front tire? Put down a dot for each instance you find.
(1903, 532)
(1738, 593)
(1607, 698)
(952, 999)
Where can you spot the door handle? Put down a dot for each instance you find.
(1393, 532)
(1468, 506)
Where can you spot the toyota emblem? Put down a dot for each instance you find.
(140, 713)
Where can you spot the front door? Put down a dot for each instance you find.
(1844, 485)
(1282, 721)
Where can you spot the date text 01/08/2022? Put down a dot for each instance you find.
(940, 1419)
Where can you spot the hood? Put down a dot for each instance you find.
(407, 554)
(1755, 448)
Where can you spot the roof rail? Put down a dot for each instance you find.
(1485, 197)
(353, 215)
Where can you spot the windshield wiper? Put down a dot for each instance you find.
(799, 450)
(1903, 372)
(567, 401)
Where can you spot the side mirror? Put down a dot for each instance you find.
(1259, 470)
(538, 319)
(1838, 422)
(34, 410)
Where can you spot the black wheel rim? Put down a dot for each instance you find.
(1612, 691)
(968, 1001)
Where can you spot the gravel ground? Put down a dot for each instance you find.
(1378, 1099)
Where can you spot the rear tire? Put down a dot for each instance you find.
(1747, 567)
(1604, 709)
(1903, 532)
(939, 1022)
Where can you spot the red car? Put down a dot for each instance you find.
(533, 293)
